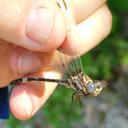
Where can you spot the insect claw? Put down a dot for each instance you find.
(74, 96)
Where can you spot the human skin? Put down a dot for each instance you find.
(28, 42)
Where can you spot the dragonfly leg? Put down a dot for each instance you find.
(76, 95)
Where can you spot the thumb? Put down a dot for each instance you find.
(34, 25)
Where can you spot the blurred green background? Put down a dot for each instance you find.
(108, 61)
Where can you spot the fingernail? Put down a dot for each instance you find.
(39, 24)
(28, 62)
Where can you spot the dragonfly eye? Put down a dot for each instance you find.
(97, 84)
(97, 89)
(91, 87)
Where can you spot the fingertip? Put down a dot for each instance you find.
(57, 35)
(89, 33)
(26, 99)
(45, 36)
(37, 25)
(20, 103)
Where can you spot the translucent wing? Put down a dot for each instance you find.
(71, 65)
(75, 66)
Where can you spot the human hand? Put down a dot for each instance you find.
(27, 45)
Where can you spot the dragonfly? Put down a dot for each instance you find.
(75, 78)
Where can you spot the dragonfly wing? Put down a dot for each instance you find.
(72, 35)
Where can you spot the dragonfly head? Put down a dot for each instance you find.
(95, 88)
(98, 87)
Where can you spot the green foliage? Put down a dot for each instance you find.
(119, 5)
(106, 58)
(13, 123)
(59, 110)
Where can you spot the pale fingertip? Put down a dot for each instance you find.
(88, 33)
(27, 99)
(21, 104)
(57, 35)
(40, 24)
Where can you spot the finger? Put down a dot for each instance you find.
(17, 61)
(84, 8)
(5, 69)
(31, 96)
(35, 25)
(88, 33)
